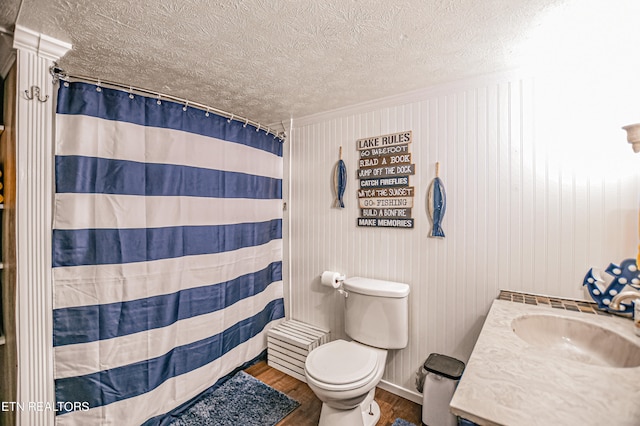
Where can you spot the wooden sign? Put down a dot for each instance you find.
(404, 169)
(384, 141)
(386, 213)
(380, 202)
(388, 150)
(385, 197)
(385, 223)
(406, 191)
(384, 182)
(366, 163)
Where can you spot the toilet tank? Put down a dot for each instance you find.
(377, 312)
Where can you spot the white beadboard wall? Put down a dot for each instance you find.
(539, 189)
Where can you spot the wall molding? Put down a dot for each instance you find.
(41, 45)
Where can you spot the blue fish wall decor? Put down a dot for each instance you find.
(340, 181)
(436, 204)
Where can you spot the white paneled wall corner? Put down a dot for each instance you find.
(526, 210)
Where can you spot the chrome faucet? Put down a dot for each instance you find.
(626, 296)
(623, 296)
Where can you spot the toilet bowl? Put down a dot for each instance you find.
(343, 375)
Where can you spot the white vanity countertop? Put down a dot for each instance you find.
(507, 381)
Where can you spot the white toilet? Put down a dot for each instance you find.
(344, 374)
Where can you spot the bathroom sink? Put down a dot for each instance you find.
(539, 365)
(577, 340)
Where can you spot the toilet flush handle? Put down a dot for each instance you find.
(343, 292)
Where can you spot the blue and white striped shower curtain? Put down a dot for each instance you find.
(167, 252)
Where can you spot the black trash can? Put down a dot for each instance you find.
(443, 374)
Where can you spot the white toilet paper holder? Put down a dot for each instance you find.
(335, 280)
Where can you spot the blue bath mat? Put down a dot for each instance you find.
(402, 422)
(241, 400)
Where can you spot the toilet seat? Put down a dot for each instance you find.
(342, 365)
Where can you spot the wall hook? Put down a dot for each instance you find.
(34, 92)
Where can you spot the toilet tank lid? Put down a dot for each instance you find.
(373, 287)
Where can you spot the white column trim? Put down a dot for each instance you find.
(34, 204)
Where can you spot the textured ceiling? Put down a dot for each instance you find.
(270, 60)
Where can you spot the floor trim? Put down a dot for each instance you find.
(400, 391)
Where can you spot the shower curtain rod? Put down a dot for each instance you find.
(59, 74)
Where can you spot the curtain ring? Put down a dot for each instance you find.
(230, 119)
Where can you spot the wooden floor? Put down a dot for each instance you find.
(308, 413)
